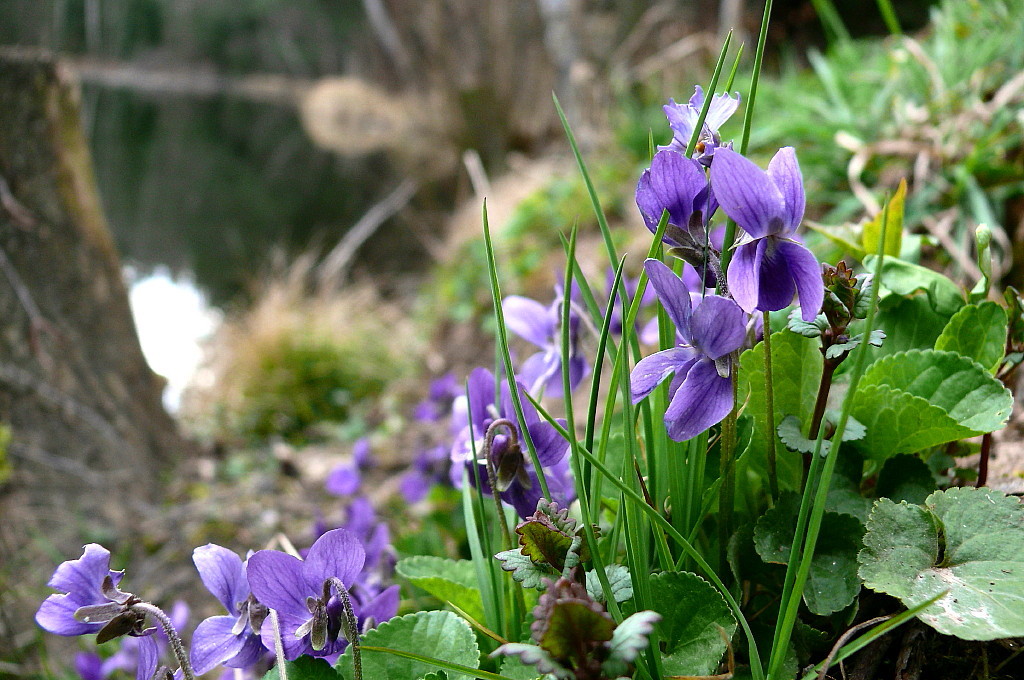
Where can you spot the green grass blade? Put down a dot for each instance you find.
(502, 333)
(602, 221)
(708, 96)
(892, 22)
(831, 22)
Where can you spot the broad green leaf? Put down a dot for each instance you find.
(438, 634)
(900, 422)
(905, 478)
(514, 669)
(448, 580)
(832, 582)
(893, 217)
(908, 323)
(967, 541)
(844, 495)
(305, 668)
(906, 278)
(956, 384)
(692, 612)
(977, 331)
(796, 373)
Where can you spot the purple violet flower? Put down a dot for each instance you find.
(532, 321)
(679, 185)
(429, 468)
(232, 640)
(442, 392)
(682, 118)
(517, 481)
(309, 595)
(701, 391)
(344, 479)
(92, 603)
(771, 266)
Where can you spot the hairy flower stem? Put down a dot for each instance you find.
(828, 369)
(282, 669)
(727, 495)
(351, 626)
(492, 473)
(769, 401)
(172, 635)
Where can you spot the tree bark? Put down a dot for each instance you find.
(90, 441)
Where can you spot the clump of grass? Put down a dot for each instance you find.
(298, 359)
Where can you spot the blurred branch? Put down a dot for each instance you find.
(389, 38)
(335, 266)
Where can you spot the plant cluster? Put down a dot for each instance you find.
(722, 502)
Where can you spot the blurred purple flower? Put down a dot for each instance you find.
(232, 640)
(441, 394)
(429, 468)
(508, 456)
(306, 594)
(682, 118)
(768, 268)
(344, 480)
(701, 391)
(532, 321)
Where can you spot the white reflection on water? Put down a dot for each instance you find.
(172, 318)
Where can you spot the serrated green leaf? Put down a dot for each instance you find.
(524, 570)
(906, 278)
(908, 323)
(967, 541)
(629, 638)
(900, 422)
(807, 329)
(305, 668)
(448, 580)
(692, 612)
(544, 544)
(956, 384)
(514, 669)
(832, 582)
(905, 478)
(790, 434)
(796, 366)
(977, 331)
(893, 217)
(618, 579)
(438, 634)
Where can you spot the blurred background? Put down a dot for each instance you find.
(293, 191)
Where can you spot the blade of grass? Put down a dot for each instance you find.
(663, 524)
(831, 22)
(710, 95)
(502, 333)
(892, 22)
(788, 612)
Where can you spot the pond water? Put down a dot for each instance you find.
(202, 193)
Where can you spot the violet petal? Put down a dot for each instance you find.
(672, 292)
(747, 194)
(703, 399)
(652, 370)
(223, 574)
(337, 553)
(213, 643)
(806, 272)
(719, 326)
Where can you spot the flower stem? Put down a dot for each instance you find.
(351, 626)
(492, 473)
(986, 450)
(727, 495)
(172, 635)
(769, 400)
(282, 670)
(828, 369)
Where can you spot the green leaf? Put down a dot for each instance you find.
(893, 216)
(906, 278)
(956, 384)
(977, 331)
(514, 669)
(305, 668)
(448, 580)
(524, 570)
(628, 640)
(914, 400)
(692, 611)
(572, 626)
(796, 367)
(619, 580)
(438, 634)
(905, 478)
(967, 541)
(832, 581)
(908, 323)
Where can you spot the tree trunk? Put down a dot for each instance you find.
(89, 438)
